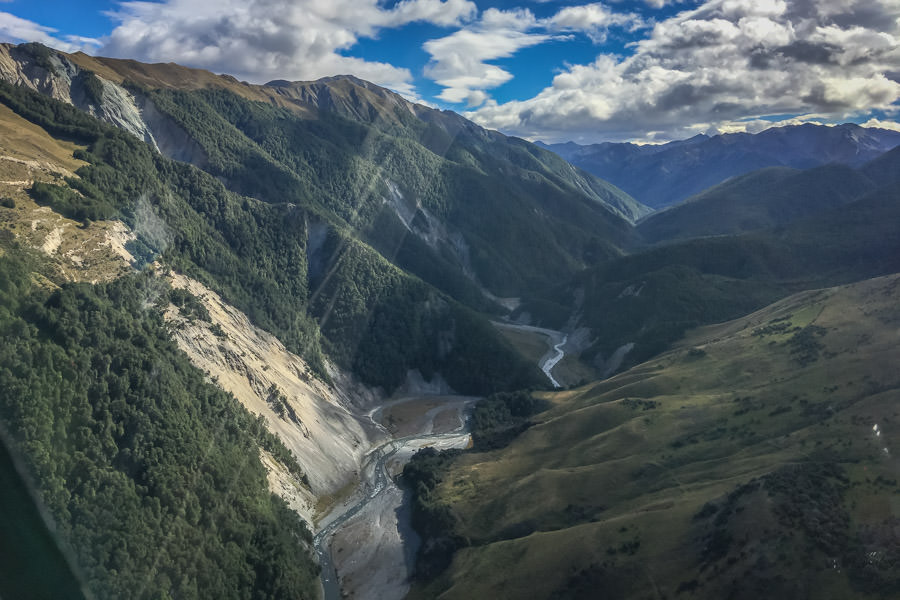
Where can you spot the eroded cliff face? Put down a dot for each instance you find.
(56, 75)
(50, 76)
(323, 425)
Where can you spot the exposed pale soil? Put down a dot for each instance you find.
(93, 252)
(328, 440)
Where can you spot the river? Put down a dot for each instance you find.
(383, 549)
(556, 341)
(549, 362)
(378, 492)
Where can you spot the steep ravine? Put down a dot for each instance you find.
(366, 545)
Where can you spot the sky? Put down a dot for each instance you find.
(647, 71)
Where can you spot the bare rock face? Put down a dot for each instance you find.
(28, 66)
(116, 106)
(323, 425)
(52, 74)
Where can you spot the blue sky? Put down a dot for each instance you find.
(641, 70)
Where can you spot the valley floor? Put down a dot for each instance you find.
(366, 543)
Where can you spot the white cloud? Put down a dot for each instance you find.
(893, 125)
(661, 3)
(518, 19)
(594, 20)
(16, 29)
(259, 40)
(723, 66)
(445, 13)
(459, 61)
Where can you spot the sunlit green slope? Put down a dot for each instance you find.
(756, 459)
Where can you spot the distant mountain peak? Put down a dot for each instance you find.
(664, 175)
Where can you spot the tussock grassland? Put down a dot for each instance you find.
(742, 462)
(77, 251)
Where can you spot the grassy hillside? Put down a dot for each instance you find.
(77, 251)
(744, 463)
(651, 297)
(759, 200)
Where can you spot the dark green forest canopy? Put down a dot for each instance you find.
(150, 473)
(255, 254)
(652, 296)
(485, 186)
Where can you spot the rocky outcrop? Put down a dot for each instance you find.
(116, 106)
(37, 68)
(53, 74)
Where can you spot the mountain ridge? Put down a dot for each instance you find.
(662, 175)
(765, 198)
(301, 97)
(174, 117)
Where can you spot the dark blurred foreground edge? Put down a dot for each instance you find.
(31, 563)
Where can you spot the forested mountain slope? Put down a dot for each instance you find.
(255, 254)
(408, 179)
(729, 251)
(167, 234)
(758, 200)
(150, 473)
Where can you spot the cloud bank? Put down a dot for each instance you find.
(260, 40)
(459, 61)
(715, 67)
(724, 65)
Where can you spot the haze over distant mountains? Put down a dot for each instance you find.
(660, 176)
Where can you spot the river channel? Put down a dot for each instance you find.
(378, 561)
(555, 339)
(378, 494)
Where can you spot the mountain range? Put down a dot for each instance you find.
(665, 174)
(215, 298)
